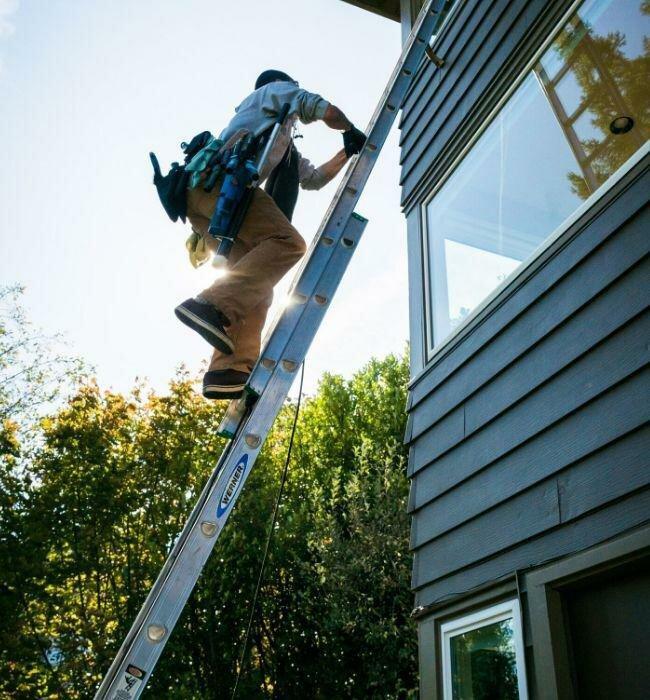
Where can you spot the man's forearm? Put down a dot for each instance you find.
(335, 119)
(326, 172)
(333, 166)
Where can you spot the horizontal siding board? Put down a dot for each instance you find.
(631, 204)
(603, 524)
(485, 394)
(605, 451)
(453, 29)
(610, 310)
(520, 518)
(458, 49)
(471, 70)
(505, 35)
(558, 400)
(463, 58)
(445, 43)
(446, 433)
(587, 486)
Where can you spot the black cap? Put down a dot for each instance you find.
(270, 76)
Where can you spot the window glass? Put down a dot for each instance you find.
(483, 655)
(483, 663)
(575, 118)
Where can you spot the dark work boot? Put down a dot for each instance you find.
(207, 321)
(224, 383)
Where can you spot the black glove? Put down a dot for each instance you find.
(353, 141)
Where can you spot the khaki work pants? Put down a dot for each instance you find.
(266, 247)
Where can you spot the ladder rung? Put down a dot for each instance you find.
(325, 281)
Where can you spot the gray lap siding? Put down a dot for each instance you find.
(544, 422)
(528, 433)
(485, 45)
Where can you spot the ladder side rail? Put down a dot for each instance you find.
(315, 307)
(286, 326)
(164, 572)
(183, 572)
(334, 223)
(357, 174)
(306, 285)
(412, 53)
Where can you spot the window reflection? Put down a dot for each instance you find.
(595, 72)
(483, 663)
(574, 120)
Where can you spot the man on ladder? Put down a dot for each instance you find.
(334, 245)
(230, 314)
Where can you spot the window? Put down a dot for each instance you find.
(482, 655)
(579, 114)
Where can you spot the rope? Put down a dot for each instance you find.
(269, 537)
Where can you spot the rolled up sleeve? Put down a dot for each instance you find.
(311, 107)
(307, 106)
(309, 176)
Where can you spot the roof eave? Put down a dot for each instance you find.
(386, 8)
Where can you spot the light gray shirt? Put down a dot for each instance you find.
(260, 110)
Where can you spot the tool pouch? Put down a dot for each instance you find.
(195, 145)
(172, 189)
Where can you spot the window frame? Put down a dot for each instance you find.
(431, 350)
(475, 620)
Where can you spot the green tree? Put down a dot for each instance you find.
(105, 490)
(33, 375)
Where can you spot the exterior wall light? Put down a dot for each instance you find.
(621, 125)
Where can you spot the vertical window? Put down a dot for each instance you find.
(482, 655)
(577, 115)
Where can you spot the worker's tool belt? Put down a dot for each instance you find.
(201, 154)
(206, 160)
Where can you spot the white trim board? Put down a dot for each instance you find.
(496, 613)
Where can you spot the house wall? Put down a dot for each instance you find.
(528, 431)
(527, 438)
(485, 44)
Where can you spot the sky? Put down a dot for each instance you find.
(89, 87)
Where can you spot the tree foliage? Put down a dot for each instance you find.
(91, 507)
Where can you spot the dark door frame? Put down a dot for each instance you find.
(551, 651)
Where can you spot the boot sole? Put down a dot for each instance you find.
(217, 338)
(216, 391)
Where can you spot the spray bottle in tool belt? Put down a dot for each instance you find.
(242, 176)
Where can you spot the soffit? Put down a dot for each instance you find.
(385, 8)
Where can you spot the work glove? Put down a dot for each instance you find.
(353, 140)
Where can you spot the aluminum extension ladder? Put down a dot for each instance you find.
(247, 425)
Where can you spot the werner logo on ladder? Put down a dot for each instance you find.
(263, 246)
(235, 481)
